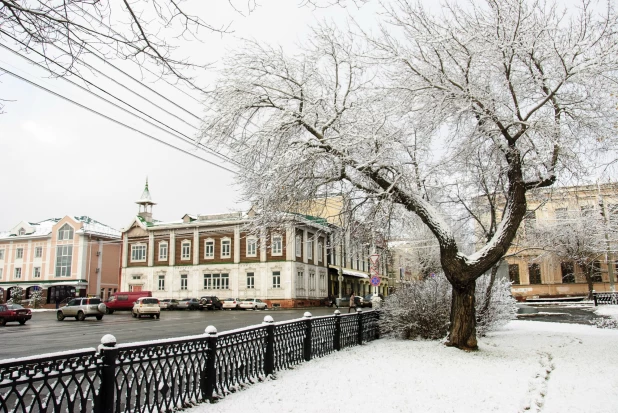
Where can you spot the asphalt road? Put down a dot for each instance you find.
(572, 314)
(45, 334)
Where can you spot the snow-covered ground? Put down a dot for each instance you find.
(527, 366)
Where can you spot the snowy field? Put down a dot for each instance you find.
(528, 366)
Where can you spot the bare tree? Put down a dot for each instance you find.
(375, 118)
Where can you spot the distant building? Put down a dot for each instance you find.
(202, 255)
(63, 257)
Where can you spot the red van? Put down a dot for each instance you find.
(123, 301)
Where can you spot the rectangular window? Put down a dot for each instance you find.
(300, 281)
(19, 253)
(163, 251)
(226, 245)
(320, 252)
(1, 271)
(161, 282)
(37, 272)
(138, 253)
(1, 254)
(250, 280)
(183, 281)
(312, 281)
(17, 273)
(38, 252)
(514, 273)
(276, 279)
(251, 247)
(299, 246)
(185, 251)
(310, 250)
(217, 281)
(596, 272)
(64, 256)
(209, 249)
(322, 282)
(277, 245)
(568, 273)
(534, 271)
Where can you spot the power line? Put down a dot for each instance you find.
(186, 138)
(114, 120)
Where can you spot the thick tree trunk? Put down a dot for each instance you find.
(463, 318)
(587, 270)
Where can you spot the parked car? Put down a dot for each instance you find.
(189, 304)
(123, 301)
(82, 307)
(168, 304)
(14, 312)
(367, 300)
(231, 303)
(211, 303)
(253, 303)
(146, 306)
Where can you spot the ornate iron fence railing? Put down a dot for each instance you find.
(166, 375)
(605, 298)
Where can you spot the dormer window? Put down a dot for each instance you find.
(65, 233)
(21, 231)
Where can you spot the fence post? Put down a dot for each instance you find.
(269, 356)
(377, 321)
(307, 343)
(337, 338)
(359, 338)
(107, 395)
(594, 297)
(209, 375)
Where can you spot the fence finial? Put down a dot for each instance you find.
(108, 340)
(337, 312)
(358, 310)
(211, 330)
(307, 314)
(268, 320)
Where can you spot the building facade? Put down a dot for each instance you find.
(62, 257)
(538, 273)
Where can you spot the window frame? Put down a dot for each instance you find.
(320, 252)
(163, 247)
(251, 281)
(65, 232)
(276, 241)
(276, 276)
(226, 241)
(185, 246)
(38, 252)
(140, 246)
(19, 253)
(216, 281)
(2, 252)
(184, 282)
(161, 283)
(63, 264)
(530, 267)
(309, 248)
(36, 272)
(251, 244)
(209, 244)
(298, 246)
(17, 273)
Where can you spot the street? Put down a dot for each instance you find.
(571, 314)
(45, 334)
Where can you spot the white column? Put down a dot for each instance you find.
(125, 250)
(263, 244)
(304, 247)
(151, 249)
(290, 243)
(196, 246)
(172, 248)
(236, 244)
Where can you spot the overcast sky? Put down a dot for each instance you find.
(58, 159)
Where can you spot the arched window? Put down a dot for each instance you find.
(65, 232)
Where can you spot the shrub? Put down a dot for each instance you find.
(36, 299)
(421, 309)
(17, 294)
(605, 322)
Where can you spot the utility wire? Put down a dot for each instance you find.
(186, 138)
(115, 120)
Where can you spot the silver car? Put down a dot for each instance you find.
(82, 307)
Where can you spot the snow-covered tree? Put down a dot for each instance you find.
(36, 298)
(379, 118)
(17, 294)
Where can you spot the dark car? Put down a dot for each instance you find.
(189, 304)
(367, 300)
(211, 303)
(14, 312)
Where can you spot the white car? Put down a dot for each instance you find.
(253, 303)
(146, 306)
(231, 304)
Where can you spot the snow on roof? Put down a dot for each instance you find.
(44, 228)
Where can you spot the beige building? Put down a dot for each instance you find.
(540, 273)
(62, 257)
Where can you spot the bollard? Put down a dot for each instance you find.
(337, 337)
(107, 395)
(307, 342)
(269, 351)
(209, 375)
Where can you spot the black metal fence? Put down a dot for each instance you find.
(605, 298)
(166, 375)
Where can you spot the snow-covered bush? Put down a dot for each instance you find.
(17, 294)
(500, 309)
(36, 299)
(421, 309)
